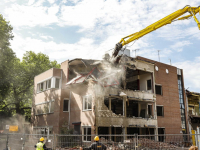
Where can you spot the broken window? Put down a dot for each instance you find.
(87, 102)
(87, 133)
(66, 105)
(103, 131)
(161, 131)
(149, 84)
(160, 111)
(132, 109)
(150, 110)
(132, 81)
(117, 106)
(158, 89)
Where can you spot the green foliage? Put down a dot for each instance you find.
(17, 77)
(5, 32)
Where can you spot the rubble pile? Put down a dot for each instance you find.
(106, 113)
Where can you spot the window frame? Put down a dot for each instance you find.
(83, 108)
(48, 106)
(160, 90)
(65, 99)
(46, 84)
(58, 82)
(162, 110)
(83, 133)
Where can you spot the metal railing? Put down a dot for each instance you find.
(112, 142)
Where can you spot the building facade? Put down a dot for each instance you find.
(134, 96)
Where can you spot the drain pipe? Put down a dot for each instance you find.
(69, 107)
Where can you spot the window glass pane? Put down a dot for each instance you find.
(57, 83)
(159, 110)
(41, 86)
(89, 102)
(85, 133)
(65, 105)
(46, 108)
(85, 103)
(49, 83)
(46, 84)
(158, 89)
(40, 109)
(88, 134)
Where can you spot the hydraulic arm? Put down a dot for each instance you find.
(164, 21)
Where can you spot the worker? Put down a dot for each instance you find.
(96, 145)
(40, 145)
(193, 148)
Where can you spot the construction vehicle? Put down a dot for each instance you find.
(162, 22)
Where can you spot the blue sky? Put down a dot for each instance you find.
(67, 29)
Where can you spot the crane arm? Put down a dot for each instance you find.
(162, 22)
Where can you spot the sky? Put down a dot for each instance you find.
(68, 29)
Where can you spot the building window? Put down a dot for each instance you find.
(45, 108)
(149, 84)
(66, 105)
(158, 89)
(87, 133)
(87, 102)
(42, 131)
(48, 84)
(57, 85)
(54, 82)
(160, 111)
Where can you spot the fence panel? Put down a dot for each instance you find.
(3, 140)
(173, 141)
(116, 142)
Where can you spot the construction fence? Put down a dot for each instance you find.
(112, 142)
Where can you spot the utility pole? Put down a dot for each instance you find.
(158, 55)
(135, 51)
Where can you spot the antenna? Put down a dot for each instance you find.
(158, 55)
(135, 51)
(170, 61)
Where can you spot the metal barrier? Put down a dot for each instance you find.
(112, 142)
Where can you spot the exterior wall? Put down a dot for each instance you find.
(171, 120)
(50, 119)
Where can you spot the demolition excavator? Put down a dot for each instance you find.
(162, 22)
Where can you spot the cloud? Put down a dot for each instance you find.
(24, 15)
(178, 46)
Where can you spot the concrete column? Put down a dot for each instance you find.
(110, 104)
(110, 132)
(96, 129)
(115, 133)
(125, 132)
(124, 106)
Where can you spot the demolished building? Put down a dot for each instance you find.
(134, 96)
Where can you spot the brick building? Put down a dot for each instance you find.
(137, 95)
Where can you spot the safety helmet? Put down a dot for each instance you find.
(96, 138)
(41, 139)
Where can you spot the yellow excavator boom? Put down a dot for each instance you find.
(164, 21)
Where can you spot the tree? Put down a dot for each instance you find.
(7, 59)
(22, 81)
(7, 56)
